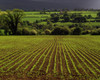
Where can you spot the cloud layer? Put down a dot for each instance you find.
(40, 4)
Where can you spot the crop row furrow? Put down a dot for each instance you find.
(48, 66)
(89, 61)
(55, 62)
(18, 62)
(86, 64)
(44, 60)
(7, 57)
(80, 67)
(9, 64)
(67, 65)
(35, 56)
(42, 55)
(90, 52)
(33, 53)
(69, 54)
(60, 58)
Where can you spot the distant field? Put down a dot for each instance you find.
(93, 13)
(33, 16)
(73, 56)
(70, 23)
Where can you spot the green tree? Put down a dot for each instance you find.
(19, 32)
(89, 16)
(3, 25)
(60, 31)
(66, 18)
(79, 19)
(47, 32)
(55, 17)
(2, 19)
(96, 32)
(25, 31)
(33, 32)
(98, 14)
(6, 30)
(12, 18)
(1, 33)
(65, 14)
(74, 15)
(86, 32)
(77, 31)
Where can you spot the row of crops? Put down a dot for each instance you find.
(67, 55)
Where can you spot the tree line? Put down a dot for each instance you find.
(12, 24)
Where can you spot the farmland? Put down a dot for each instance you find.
(35, 15)
(78, 57)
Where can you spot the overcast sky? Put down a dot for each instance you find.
(40, 4)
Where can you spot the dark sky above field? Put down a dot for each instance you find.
(40, 4)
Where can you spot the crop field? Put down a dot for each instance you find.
(70, 23)
(77, 57)
(33, 16)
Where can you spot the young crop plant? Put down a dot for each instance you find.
(40, 58)
(17, 63)
(60, 58)
(63, 48)
(32, 54)
(55, 63)
(6, 57)
(89, 61)
(78, 54)
(87, 57)
(46, 56)
(91, 57)
(50, 59)
(72, 60)
(36, 56)
(9, 64)
(88, 54)
(72, 49)
(84, 59)
(9, 59)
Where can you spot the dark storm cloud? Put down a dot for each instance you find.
(40, 4)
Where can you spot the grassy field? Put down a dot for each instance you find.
(33, 16)
(92, 13)
(39, 57)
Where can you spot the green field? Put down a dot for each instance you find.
(49, 57)
(93, 13)
(33, 16)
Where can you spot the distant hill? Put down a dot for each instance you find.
(40, 4)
